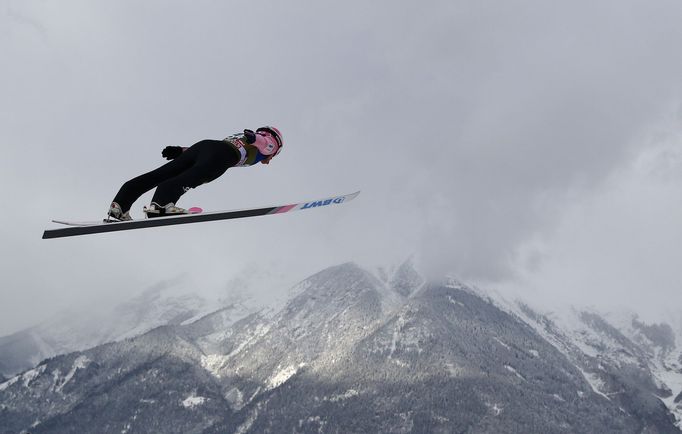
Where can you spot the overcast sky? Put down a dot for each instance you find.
(519, 144)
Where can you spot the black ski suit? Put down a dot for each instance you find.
(201, 163)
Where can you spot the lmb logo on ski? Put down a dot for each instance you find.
(323, 203)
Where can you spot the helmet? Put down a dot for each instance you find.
(277, 134)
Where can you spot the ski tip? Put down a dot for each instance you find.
(351, 196)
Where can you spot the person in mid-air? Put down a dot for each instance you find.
(190, 167)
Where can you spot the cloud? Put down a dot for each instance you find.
(618, 246)
(469, 127)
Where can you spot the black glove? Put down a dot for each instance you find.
(171, 152)
(249, 136)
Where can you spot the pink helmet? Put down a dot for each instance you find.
(276, 133)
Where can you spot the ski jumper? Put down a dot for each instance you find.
(200, 163)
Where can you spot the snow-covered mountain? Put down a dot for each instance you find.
(355, 351)
(165, 303)
(618, 354)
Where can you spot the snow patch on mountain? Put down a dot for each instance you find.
(350, 393)
(499, 341)
(8, 383)
(495, 407)
(282, 376)
(514, 371)
(214, 363)
(407, 335)
(81, 362)
(32, 374)
(455, 302)
(595, 382)
(193, 401)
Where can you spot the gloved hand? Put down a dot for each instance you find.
(171, 152)
(249, 136)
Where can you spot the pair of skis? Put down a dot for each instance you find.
(85, 228)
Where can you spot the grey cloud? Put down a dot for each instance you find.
(468, 126)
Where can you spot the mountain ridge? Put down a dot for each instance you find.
(354, 352)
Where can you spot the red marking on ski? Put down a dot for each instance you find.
(284, 209)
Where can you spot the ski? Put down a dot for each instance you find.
(86, 228)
